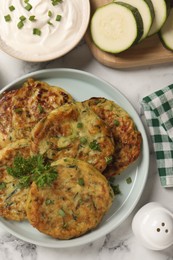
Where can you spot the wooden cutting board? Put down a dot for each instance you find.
(149, 52)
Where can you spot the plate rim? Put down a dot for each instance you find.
(65, 243)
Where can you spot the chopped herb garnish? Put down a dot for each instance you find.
(49, 13)
(116, 189)
(32, 18)
(32, 169)
(7, 18)
(49, 202)
(79, 125)
(18, 110)
(108, 159)
(58, 18)
(2, 185)
(129, 180)
(20, 25)
(49, 22)
(22, 18)
(28, 7)
(61, 213)
(26, 1)
(94, 146)
(116, 122)
(56, 2)
(36, 31)
(11, 8)
(81, 181)
(83, 140)
(40, 108)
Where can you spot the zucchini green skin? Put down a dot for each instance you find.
(143, 6)
(164, 44)
(168, 7)
(162, 38)
(138, 19)
(151, 7)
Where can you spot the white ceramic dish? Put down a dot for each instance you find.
(45, 52)
(82, 86)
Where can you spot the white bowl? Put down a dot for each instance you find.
(22, 44)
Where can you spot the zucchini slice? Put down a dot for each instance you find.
(146, 9)
(161, 10)
(166, 32)
(116, 26)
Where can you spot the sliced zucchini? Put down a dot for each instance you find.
(166, 32)
(116, 26)
(161, 10)
(146, 9)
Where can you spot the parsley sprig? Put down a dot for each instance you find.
(32, 169)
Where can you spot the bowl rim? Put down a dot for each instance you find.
(22, 56)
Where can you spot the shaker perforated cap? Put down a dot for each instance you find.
(153, 226)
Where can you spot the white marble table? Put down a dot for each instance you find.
(120, 243)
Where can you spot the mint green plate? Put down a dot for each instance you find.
(81, 86)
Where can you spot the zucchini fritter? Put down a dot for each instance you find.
(127, 138)
(6, 117)
(74, 204)
(32, 102)
(73, 130)
(12, 197)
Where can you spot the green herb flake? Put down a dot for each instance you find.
(32, 18)
(18, 110)
(26, 1)
(108, 159)
(20, 25)
(22, 18)
(2, 185)
(56, 2)
(11, 8)
(36, 31)
(94, 145)
(49, 13)
(81, 181)
(58, 18)
(49, 22)
(7, 18)
(116, 122)
(116, 189)
(40, 108)
(28, 7)
(129, 180)
(79, 125)
(49, 202)
(61, 212)
(83, 140)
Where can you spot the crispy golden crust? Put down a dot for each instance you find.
(12, 199)
(74, 204)
(126, 137)
(75, 131)
(6, 117)
(32, 102)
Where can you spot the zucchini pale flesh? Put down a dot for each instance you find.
(166, 32)
(161, 10)
(146, 10)
(116, 26)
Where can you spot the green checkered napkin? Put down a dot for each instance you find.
(158, 110)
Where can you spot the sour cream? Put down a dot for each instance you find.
(56, 35)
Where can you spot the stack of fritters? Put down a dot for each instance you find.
(83, 141)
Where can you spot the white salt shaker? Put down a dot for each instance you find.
(153, 226)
